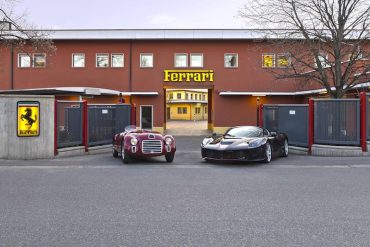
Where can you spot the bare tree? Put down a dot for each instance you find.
(328, 41)
(17, 33)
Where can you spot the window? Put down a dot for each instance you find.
(182, 110)
(231, 60)
(39, 60)
(191, 96)
(146, 60)
(203, 97)
(205, 109)
(171, 95)
(24, 61)
(117, 60)
(102, 60)
(78, 60)
(178, 95)
(197, 110)
(283, 60)
(186, 96)
(181, 60)
(323, 58)
(196, 60)
(196, 96)
(268, 60)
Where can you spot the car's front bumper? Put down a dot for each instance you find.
(253, 154)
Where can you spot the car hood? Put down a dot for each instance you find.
(147, 135)
(229, 143)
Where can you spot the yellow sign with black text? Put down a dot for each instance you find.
(28, 118)
(188, 76)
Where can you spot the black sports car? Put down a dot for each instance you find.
(245, 143)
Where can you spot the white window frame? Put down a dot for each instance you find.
(324, 61)
(33, 60)
(274, 60)
(197, 54)
(146, 54)
(19, 60)
(73, 61)
(123, 60)
(289, 62)
(96, 60)
(237, 60)
(186, 60)
(152, 106)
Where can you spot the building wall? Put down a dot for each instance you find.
(227, 111)
(190, 113)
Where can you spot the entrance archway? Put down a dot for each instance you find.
(188, 111)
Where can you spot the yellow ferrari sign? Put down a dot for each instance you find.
(28, 118)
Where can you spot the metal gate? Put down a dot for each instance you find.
(105, 121)
(289, 119)
(69, 123)
(368, 116)
(337, 121)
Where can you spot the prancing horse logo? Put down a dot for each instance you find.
(28, 118)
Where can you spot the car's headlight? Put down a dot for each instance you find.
(257, 143)
(168, 140)
(133, 141)
(206, 141)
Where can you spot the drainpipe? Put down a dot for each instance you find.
(130, 72)
(12, 67)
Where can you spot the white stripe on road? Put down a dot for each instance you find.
(190, 166)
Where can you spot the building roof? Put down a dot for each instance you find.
(171, 34)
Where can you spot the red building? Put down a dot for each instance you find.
(97, 65)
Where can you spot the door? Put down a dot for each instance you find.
(146, 117)
(168, 113)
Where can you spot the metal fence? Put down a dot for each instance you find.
(289, 119)
(106, 120)
(337, 121)
(69, 123)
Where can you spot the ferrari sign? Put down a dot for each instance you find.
(188, 75)
(28, 118)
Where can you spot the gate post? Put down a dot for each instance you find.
(133, 115)
(260, 115)
(311, 124)
(55, 127)
(363, 112)
(85, 130)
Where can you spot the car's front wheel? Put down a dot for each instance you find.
(285, 149)
(124, 156)
(114, 153)
(170, 157)
(268, 153)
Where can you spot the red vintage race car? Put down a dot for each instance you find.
(135, 142)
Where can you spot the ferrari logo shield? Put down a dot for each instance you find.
(28, 119)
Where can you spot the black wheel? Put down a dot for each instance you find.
(268, 153)
(285, 149)
(170, 157)
(125, 157)
(114, 153)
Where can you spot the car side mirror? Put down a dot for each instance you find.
(214, 134)
(273, 134)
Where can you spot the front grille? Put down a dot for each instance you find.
(152, 146)
(228, 155)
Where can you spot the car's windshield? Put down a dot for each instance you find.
(248, 131)
(130, 128)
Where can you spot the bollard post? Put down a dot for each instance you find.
(55, 127)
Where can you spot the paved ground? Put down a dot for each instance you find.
(98, 201)
(187, 128)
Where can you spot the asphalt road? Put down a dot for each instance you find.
(97, 201)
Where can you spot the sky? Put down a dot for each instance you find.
(135, 14)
